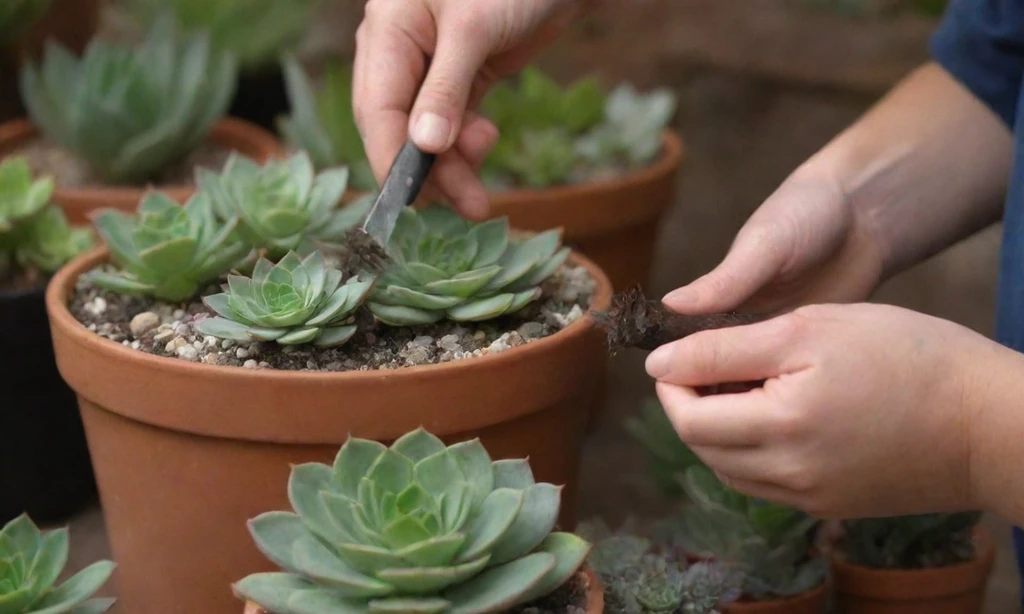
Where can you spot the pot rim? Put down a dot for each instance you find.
(61, 288)
(777, 605)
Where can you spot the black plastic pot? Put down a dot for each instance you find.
(44, 461)
(261, 97)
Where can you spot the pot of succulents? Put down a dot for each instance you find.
(668, 457)
(55, 480)
(926, 564)
(120, 119)
(418, 527)
(199, 385)
(257, 43)
(31, 562)
(771, 546)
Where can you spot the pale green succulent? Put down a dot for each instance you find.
(632, 129)
(771, 544)
(30, 564)
(447, 267)
(130, 112)
(293, 302)
(669, 457)
(322, 122)
(16, 16)
(283, 205)
(417, 528)
(34, 234)
(910, 542)
(256, 31)
(165, 250)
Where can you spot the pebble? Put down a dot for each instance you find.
(450, 343)
(211, 358)
(143, 323)
(163, 336)
(421, 341)
(417, 356)
(174, 344)
(178, 314)
(136, 344)
(96, 306)
(250, 364)
(227, 344)
(197, 344)
(241, 353)
(531, 330)
(187, 352)
(210, 341)
(479, 335)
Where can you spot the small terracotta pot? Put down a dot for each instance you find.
(77, 203)
(185, 453)
(595, 596)
(811, 602)
(614, 222)
(957, 589)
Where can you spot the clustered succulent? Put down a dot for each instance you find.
(30, 564)
(16, 16)
(418, 527)
(669, 457)
(295, 301)
(322, 121)
(166, 250)
(130, 112)
(910, 542)
(641, 577)
(551, 135)
(33, 233)
(255, 31)
(283, 205)
(447, 267)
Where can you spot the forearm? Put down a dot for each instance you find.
(925, 168)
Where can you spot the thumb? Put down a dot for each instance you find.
(437, 116)
(754, 260)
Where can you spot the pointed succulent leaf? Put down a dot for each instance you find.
(497, 515)
(533, 523)
(76, 590)
(430, 580)
(275, 534)
(570, 552)
(501, 587)
(314, 561)
(272, 590)
(354, 461)
(512, 473)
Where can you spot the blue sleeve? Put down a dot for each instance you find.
(981, 43)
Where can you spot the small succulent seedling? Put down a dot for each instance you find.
(130, 112)
(16, 16)
(293, 302)
(669, 456)
(415, 528)
(632, 127)
(771, 544)
(31, 561)
(165, 250)
(322, 122)
(283, 205)
(910, 542)
(232, 26)
(446, 267)
(33, 233)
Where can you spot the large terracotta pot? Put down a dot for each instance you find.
(595, 596)
(613, 222)
(811, 602)
(185, 453)
(957, 589)
(77, 203)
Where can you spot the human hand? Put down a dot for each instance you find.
(866, 409)
(804, 245)
(471, 46)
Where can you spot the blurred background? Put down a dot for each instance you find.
(762, 84)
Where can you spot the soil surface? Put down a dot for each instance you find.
(165, 329)
(69, 171)
(570, 598)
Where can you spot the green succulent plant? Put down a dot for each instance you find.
(256, 31)
(293, 302)
(130, 112)
(16, 16)
(165, 250)
(283, 205)
(417, 527)
(669, 457)
(322, 122)
(632, 128)
(640, 577)
(910, 542)
(770, 544)
(33, 233)
(31, 561)
(447, 267)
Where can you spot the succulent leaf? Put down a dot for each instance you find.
(399, 529)
(911, 542)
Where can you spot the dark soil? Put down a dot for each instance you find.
(169, 330)
(69, 171)
(570, 598)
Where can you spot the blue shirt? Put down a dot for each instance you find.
(981, 43)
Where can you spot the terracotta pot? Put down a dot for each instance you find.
(957, 589)
(613, 222)
(595, 596)
(185, 453)
(77, 203)
(811, 602)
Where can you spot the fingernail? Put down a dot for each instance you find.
(682, 296)
(659, 362)
(431, 131)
